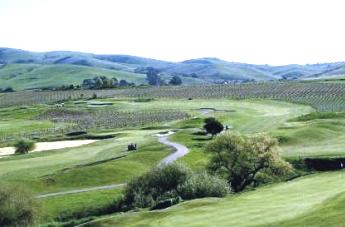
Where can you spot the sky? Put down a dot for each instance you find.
(274, 32)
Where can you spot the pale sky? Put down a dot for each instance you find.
(251, 31)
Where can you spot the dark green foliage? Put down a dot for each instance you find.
(160, 183)
(143, 100)
(167, 203)
(102, 83)
(153, 78)
(17, 207)
(76, 133)
(213, 126)
(176, 80)
(23, 146)
(6, 90)
(162, 187)
(203, 185)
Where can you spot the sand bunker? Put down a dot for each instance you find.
(46, 146)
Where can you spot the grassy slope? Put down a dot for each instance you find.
(318, 136)
(55, 207)
(57, 170)
(329, 213)
(27, 76)
(263, 206)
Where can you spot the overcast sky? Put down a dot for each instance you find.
(251, 31)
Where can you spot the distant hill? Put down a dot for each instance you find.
(27, 70)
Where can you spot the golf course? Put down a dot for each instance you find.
(82, 162)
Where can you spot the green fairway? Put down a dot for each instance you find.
(328, 213)
(101, 163)
(263, 206)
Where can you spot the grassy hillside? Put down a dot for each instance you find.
(28, 76)
(261, 207)
(203, 70)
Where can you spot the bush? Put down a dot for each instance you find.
(17, 207)
(213, 126)
(23, 146)
(159, 184)
(167, 203)
(203, 185)
(165, 185)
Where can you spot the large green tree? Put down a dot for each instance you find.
(240, 159)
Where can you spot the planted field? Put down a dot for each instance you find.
(321, 96)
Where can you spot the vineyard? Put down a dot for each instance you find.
(321, 96)
(109, 118)
(66, 121)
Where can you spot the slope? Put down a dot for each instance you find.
(266, 205)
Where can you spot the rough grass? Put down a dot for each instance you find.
(58, 207)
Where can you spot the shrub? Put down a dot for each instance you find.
(17, 207)
(167, 185)
(23, 146)
(176, 80)
(159, 184)
(167, 203)
(8, 89)
(203, 185)
(213, 126)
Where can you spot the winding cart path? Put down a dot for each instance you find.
(180, 151)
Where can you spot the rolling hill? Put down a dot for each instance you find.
(28, 70)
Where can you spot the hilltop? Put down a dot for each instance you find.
(29, 70)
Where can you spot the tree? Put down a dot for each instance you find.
(153, 77)
(240, 159)
(17, 207)
(123, 83)
(213, 126)
(115, 81)
(176, 80)
(99, 82)
(23, 146)
(8, 89)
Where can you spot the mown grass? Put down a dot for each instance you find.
(68, 168)
(263, 206)
(328, 213)
(62, 207)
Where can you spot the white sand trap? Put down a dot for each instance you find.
(46, 146)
